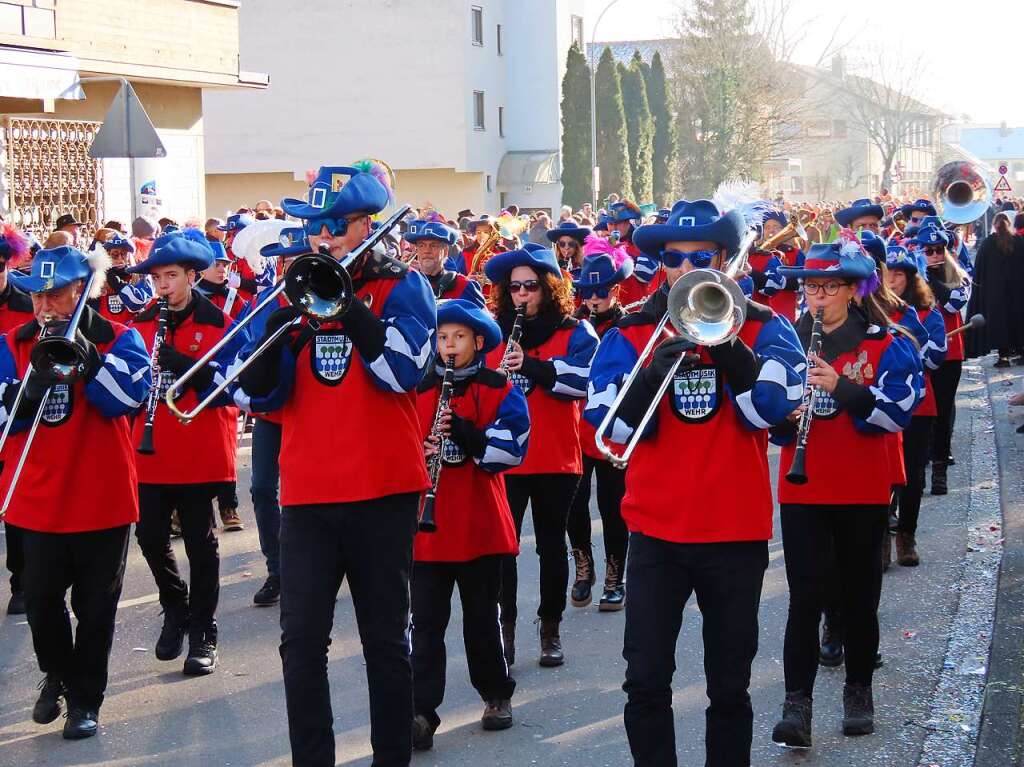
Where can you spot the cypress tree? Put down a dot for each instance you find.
(639, 130)
(576, 187)
(612, 143)
(665, 142)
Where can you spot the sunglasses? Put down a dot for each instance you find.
(930, 250)
(531, 286)
(337, 227)
(701, 259)
(587, 293)
(566, 243)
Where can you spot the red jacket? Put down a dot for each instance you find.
(15, 308)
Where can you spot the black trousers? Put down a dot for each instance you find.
(916, 449)
(727, 579)
(92, 565)
(812, 536)
(194, 504)
(370, 543)
(479, 583)
(549, 496)
(15, 555)
(611, 486)
(227, 496)
(945, 381)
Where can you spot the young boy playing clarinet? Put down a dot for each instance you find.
(485, 430)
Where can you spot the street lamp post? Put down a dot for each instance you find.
(595, 171)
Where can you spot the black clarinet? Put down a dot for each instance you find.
(146, 443)
(797, 470)
(427, 522)
(513, 336)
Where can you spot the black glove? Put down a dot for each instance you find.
(261, 376)
(117, 278)
(279, 318)
(468, 437)
(665, 355)
(93, 358)
(738, 362)
(541, 372)
(172, 360)
(365, 329)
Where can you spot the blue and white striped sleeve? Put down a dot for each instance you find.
(933, 353)
(508, 435)
(122, 382)
(773, 281)
(137, 297)
(896, 389)
(958, 297)
(268, 276)
(615, 357)
(573, 369)
(912, 323)
(410, 327)
(645, 268)
(222, 365)
(781, 377)
(963, 258)
(9, 383)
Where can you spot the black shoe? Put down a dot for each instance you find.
(16, 605)
(794, 729)
(202, 652)
(422, 733)
(614, 597)
(172, 635)
(497, 714)
(47, 707)
(939, 486)
(1002, 362)
(858, 710)
(831, 652)
(81, 723)
(550, 644)
(585, 578)
(269, 593)
(878, 661)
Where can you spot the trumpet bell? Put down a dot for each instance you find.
(63, 360)
(964, 191)
(319, 286)
(706, 307)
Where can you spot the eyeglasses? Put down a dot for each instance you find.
(566, 243)
(337, 227)
(531, 286)
(701, 259)
(587, 293)
(830, 288)
(930, 250)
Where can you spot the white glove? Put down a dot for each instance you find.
(234, 280)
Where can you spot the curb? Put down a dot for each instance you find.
(999, 734)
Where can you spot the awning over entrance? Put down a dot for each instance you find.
(38, 75)
(527, 168)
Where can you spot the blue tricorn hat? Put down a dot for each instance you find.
(53, 269)
(776, 215)
(931, 235)
(177, 248)
(236, 221)
(662, 215)
(599, 271)
(918, 206)
(220, 253)
(844, 260)
(695, 221)
(117, 242)
(898, 257)
(538, 258)
(858, 208)
(568, 229)
(602, 224)
(292, 241)
(874, 245)
(484, 218)
(623, 211)
(430, 230)
(462, 312)
(337, 191)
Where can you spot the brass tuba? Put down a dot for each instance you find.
(963, 190)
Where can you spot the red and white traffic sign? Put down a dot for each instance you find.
(1003, 169)
(1002, 185)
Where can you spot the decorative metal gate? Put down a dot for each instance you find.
(47, 172)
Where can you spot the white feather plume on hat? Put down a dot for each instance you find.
(100, 263)
(742, 196)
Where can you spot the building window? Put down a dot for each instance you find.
(577, 31)
(498, 40)
(478, 25)
(819, 129)
(478, 110)
(490, 185)
(796, 184)
(501, 121)
(839, 129)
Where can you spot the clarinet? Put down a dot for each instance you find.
(427, 522)
(146, 443)
(797, 470)
(513, 337)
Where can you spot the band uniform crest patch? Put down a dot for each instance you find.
(58, 405)
(114, 304)
(167, 380)
(696, 393)
(521, 382)
(331, 354)
(452, 454)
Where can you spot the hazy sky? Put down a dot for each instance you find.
(972, 51)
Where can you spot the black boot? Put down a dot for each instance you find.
(858, 710)
(831, 652)
(508, 641)
(47, 707)
(202, 651)
(16, 606)
(422, 733)
(794, 729)
(497, 714)
(550, 643)
(939, 486)
(269, 593)
(172, 635)
(614, 597)
(81, 723)
(585, 578)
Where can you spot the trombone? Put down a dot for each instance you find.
(315, 283)
(706, 307)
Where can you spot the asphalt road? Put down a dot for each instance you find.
(154, 715)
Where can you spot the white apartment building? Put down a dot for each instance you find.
(460, 97)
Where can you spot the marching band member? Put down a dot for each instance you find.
(486, 429)
(355, 517)
(479, 230)
(432, 241)
(696, 525)
(903, 275)
(84, 434)
(861, 214)
(622, 219)
(773, 290)
(191, 461)
(567, 240)
(865, 384)
(123, 295)
(15, 310)
(216, 286)
(550, 363)
(243, 279)
(951, 287)
(915, 212)
(603, 270)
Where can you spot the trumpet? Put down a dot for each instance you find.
(797, 473)
(146, 443)
(315, 283)
(427, 523)
(706, 307)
